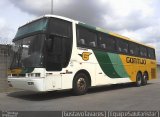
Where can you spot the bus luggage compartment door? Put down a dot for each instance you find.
(53, 82)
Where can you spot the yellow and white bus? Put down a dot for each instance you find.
(57, 53)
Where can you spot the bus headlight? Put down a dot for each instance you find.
(9, 75)
(37, 74)
(33, 74)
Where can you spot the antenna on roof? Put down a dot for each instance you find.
(51, 6)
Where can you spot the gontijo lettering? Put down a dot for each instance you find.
(135, 60)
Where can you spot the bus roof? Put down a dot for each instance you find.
(47, 16)
(90, 27)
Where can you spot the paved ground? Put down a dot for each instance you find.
(115, 97)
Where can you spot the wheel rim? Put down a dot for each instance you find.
(145, 79)
(139, 80)
(81, 84)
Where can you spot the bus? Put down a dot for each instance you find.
(56, 53)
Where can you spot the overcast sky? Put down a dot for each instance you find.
(136, 19)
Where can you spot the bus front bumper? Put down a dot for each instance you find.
(34, 84)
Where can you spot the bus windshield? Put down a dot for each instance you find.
(28, 52)
(36, 26)
(29, 43)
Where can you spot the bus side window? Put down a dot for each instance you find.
(122, 46)
(92, 44)
(103, 46)
(82, 42)
(107, 43)
(86, 37)
(111, 44)
(133, 49)
(143, 51)
(151, 53)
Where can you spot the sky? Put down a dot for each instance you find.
(136, 19)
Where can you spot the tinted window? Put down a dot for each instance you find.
(107, 42)
(61, 44)
(60, 27)
(143, 51)
(133, 49)
(86, 37)
(122, 46)
(151, 53)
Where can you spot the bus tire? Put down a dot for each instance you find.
(144, 79)
(138, 79)
(80, 84)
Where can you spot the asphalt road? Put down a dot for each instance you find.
(114, 97)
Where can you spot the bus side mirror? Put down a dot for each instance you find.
(49, 44)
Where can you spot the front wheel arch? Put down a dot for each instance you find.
(88, 76)
(81, 82)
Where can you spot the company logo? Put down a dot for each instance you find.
(135, 60)
(85, 55)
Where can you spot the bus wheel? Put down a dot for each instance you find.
(138, 79)
(80, 84)
(144, 79)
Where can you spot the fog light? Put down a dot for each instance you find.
(37, 74)
(28, 75)
(9, 75)
(33, 75)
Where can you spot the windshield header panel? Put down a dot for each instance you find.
(39, 25)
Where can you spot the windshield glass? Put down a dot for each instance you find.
(28, 52)
(35, 26)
